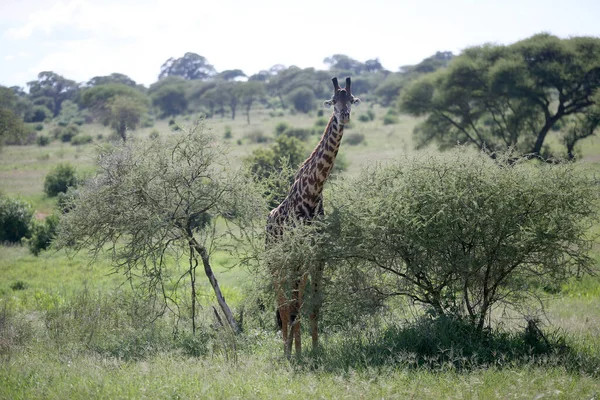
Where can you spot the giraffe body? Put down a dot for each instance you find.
(303, 203)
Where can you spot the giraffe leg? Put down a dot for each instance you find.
(316, 307)
(283, 312)
(298, 303)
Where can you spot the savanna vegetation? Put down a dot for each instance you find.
(132, 219)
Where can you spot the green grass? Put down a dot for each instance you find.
(172, 376)
(68, 331)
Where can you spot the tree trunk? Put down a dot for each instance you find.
(537, 148)
(215, 285)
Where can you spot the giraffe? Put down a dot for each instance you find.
(304, 202)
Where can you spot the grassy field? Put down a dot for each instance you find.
(70, 329)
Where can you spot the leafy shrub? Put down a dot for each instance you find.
(18, 285)
(79, 121)
(364, 118)
(320, 113)
(274, 114)
(389, 119)
(257, 136)
(228, 132)
(60, 179)
(303, 99)
(39, 127)
(40, 114)
(462, 233)
(265, 163)
(321, 122)
(42, 234)
(43, 140)
(15, 219)
(281, 127)
(298, 133)
(371, 114)
(65, 133)
(80, 139)
(62, 122)
(354, 138)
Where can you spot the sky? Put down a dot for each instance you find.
(80, 39)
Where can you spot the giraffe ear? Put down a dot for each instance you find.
(355, 101)
(327, 103)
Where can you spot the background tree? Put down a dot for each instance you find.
(499, 97)
(249, 93)
(169, 96)
(343, 63)
(115, 77)
(15, 219)
(98, 99)
(52, 89)
(439, 60)
(125, 114)
(303, 99)
(275, 166)
(190, 66)
(155, 202)
(215, 99)
(60, 179)
(231, 75)
(387, 92)
(11, 124)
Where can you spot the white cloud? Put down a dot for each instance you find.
(47, 20)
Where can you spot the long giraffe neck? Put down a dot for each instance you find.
(316, 169)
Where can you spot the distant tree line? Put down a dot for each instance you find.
(494, 97)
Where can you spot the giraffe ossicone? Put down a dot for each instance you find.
(304, 202)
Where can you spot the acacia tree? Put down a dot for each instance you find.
(499, 97)
(463, 233)
(190, 66)
(250, 92)
(51, 89)
(125, 113)
(153, 205)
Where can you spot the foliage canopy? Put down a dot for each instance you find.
(500, 97)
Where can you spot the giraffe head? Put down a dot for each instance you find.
(342, 101)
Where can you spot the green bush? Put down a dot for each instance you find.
(15, 219)
(39, 127)
(42, 234)
(60, 179)
(303, 99)
(82, 138)
(371, 114)
(79, 121)
(40, 114)
(463, 233)
(228, 132)
(321, 122)
(354, 138)
(364, 118)
(65, 133)
(43, 140)
(389, 119)
(257, 136)
(298, 133)
(281, 127)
